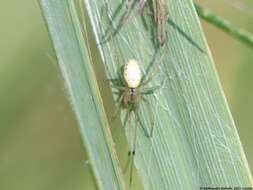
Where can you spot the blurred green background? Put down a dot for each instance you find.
(40, 147)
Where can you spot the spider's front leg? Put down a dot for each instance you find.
(151, 90)
(150, 75)
(111, 31)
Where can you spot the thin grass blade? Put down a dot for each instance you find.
(77, 71)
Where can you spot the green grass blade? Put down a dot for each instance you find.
(76, 67)
(195, 142)
(223, 24)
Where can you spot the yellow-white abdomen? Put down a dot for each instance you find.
(132, 73)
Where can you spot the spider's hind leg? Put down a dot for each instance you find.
(157, 63)
(138, 119)
(119, 103)
(132, 153)
(151, 116)
(127, 120)
(148, 91)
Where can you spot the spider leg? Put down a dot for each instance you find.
(111, 32)
(121, 88)
(134, 146)
(137, 114)
(154, 9)
(150, 90)
(119, 100)
(127, 117)
(113, 80)
(155, 70)
(128, 120)
(116, 83)
(116, 92)
(151, 115)
(130, 6)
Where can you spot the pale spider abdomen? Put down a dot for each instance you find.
(132, 73)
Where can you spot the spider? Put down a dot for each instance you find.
(159, 15)
(131, 90)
